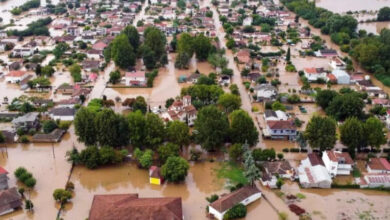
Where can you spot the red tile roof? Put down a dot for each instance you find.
(315, 159)
(379, 164)
(17, 73)
(129, 207)
(3, 171)
(232, 199)
(281, 125)
(337, 156)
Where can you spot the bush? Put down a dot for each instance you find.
(62, 196)
(286, 150)
(69, 186)
(238, 211)
(64, 125)
(24, 139)
(212, 198)
(294, 150)
(280, 156)
(30, 182)
(175, 169)
(25, 176)
(195, 154)
(49, 126)
(19, 172)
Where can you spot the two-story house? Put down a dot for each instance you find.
(280, 130)
(313, 74)
(181, 110)
(337, 163)
(27, 121)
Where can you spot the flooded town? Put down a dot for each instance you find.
(195, 109)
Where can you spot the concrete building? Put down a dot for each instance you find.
(378, 166)
(337, 163)
(312, 173)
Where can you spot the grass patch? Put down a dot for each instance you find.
(356, 172)
(232, 173)
(300, 196)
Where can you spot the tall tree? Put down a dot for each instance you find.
(133, 36)
(122, 52)
(85, 129)
(111, 129)
(374, 132)
(252, 173)
(288, 55)
(182, 60)
(154, 130)
(211, 128)
(321, 132)
(166, 151)
(351, 135)
(325, 97)
(229, 102)
(178, 132)
(243, 130)
(185, 44)
(156, 41)
(175, 169)
(202, 47)
(345, 106)
(137, 126)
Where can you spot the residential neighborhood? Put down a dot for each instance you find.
(194, 109)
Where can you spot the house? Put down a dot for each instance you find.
(10, 200)
(313, 74)
(53, 137)
(337, 64)
(272, 169)
(155, 176)
(280, 130)
(16, 76)
(90, 65)
(265, 92)
(135, 78)
(326, 53)
(337, 163)
(312, 173)
(3, 179)
(374, 181)
(244, 195)
(181, 110)
(247, 21)
(27, 121)
(243, 56)
(62, 113)
(378, 165)
(342, 77)
(100, 45)
(382, 102)
(375, 91)
(23, 52)
(10, 136)
(68, 103)
(131, 207)
(277, 115)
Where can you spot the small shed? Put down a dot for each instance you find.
(155, 176)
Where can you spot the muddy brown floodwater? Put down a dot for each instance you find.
(199, 184)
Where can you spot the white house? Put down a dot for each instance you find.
(378, 165)
(265, 92)
(247, 21)
(341, 76)
(182, 111)
(313, 74)
(135, 78)
(312, 173)
(244, 195)
(23, 52)
(62, 113)
(337, 163)
(337, 64)
(374, 181)
(280, 130)
(16, 76)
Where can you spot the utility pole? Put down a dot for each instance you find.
(52, 147)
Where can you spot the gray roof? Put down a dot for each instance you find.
(10, 199)
(63, 111)
(29, 117)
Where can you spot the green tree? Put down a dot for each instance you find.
(235, 152)
(62, 196)
(133, 36)
(325, 97)
(278, 106)
(75, 71)
(252, 173)
(345, 106)
(122, 52)
(182, 60)
(202, 47)
(47, 70)
(2, 138)
(115, 77)
(60, 49)
(351, 134)
(90, 157)
(156, 41)
(384, 14)
(85, 126)
(154, 130)
(321, 132)
(145, 159)
(110, 127)
(242, 128)
(140, 104)
(229, 102)
(185, 44)
(149, 57)
(178, 133)
(137, 126)
(374, 132)
(288, 55)
(166, 151)
(237, 211)
(211, 128)
(175, 169)
(49, 126)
